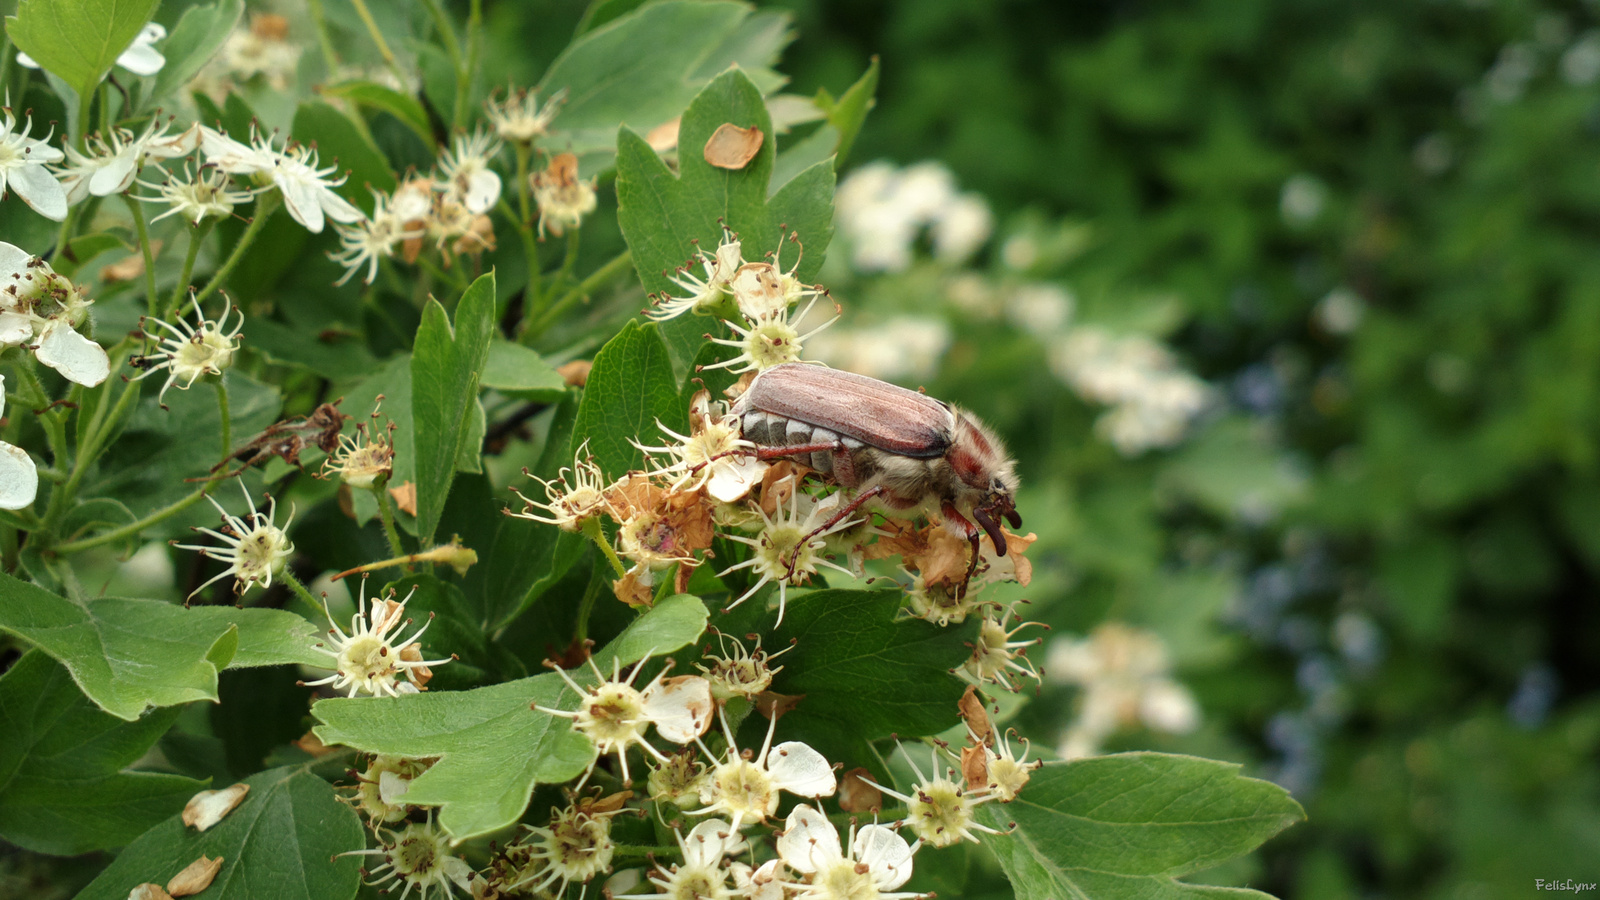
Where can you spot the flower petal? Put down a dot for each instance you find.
(809, 841)
(483, 189)
(13, 261)
(141, 59)
(40, 190)
(15, 329)
(19, 477)
(26, 61)
(338, 208)
(116, 175)
(301, 200)
(391, 787)
(680, 708)
(885, 853)
(709, 842)
(800, 770)
(733, 477)
(77, 358)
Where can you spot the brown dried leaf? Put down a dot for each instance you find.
(129, 267)
(663, 137)
(732, 147)
(575, 373)
(595, 806)
(975, 766)
(976, 717)
(313, 745)
(630, 591)
(774, 705)
(207, 808)
(405, 497)
(856, 794)
(195, 877)
(1016, 547)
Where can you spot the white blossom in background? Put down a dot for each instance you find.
(373, 238)
(879, 860)
(260, 49)
(904, 348)
(197, 195)
(114, 160)
(880, 210)
(187, 351)
(1040, 309)
(41, 309)
(517, 117)
(1580, 64)
(1152, 399)
(307, 190)
(22, 167)
(1302, 199)
(465, 168)
(1340, 312)
(141, 57)
(19, 476)
(563, 198)
(1126, 681)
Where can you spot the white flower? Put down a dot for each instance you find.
(702, 875)
(788, 549)
(261, 49)
(1007, 773)
(208, 192)
(370, 239)
(740, 673)
(22, 168)
(363, 459)
(939, 809)
(1153, 399)
(254, 548)
(713, 456)
(614, 714)
(307, 190)
(189, 351)
(418, 857)
(141, 58)
(465, 167)
(996, 656)
(577, 494)
(904, 348)
(702, 294)
(745, 787)
(769, 342)
(519, 117)
(36, 303)
(1125, 676)
(879, 859)
(19, 476)
(369, 659)
(961, 227)
(113, 161)
(764, 290)
(563, 198)
(575, 847)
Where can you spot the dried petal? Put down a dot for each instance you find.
(195, 877)
(149, 892)
(774, 705)
(405, 497)
(732, 147)
(630, 591)
(575, 373)
(976, 717)
(207, 808)
(975, 765)
(857, 794)
(664, 137)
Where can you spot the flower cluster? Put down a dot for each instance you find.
(1125, 677)
(1152, 400)
(881, 210)
(42, 310)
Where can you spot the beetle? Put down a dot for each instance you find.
(901, 450)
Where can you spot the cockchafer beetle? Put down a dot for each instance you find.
(901, 451)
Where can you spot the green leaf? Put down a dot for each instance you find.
(638, 70)
(404, 107)
(492, 747)
(85, 247)
(630, 387)
(516, 370)
(62, 785)
(446, 365)
(332, 357)
(866, 675)
(339, 141)
(753, 47)
(849, 112)
(78, 40)
(279, 843)
(451, 629)
(196, 38)
(662, 214)
(128, 655)
(1126, 825)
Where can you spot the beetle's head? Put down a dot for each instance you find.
(988, 475)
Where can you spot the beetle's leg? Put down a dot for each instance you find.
(833, 520)
(971, 533)
(765, 453)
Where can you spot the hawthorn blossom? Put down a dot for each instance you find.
(1152, 398)
(370, 239)
(1004, 773)
(614, 715)
(701, 295)
(187, 351)
(788, 549)
(702, 875)
(41, 309)
(371, 658)
(19, 476)
(1125, 675)
(141, 57)
(714, 455)
(764, 290)
(307, 190)
(378, 790)
(939, 809)
(418, 857)
(738, 672)
(574, 848)
(197, 195)
(996, 657)
(519, 118)
(768, 341)
(363, 459)
(23, 162)
(254, 548)
(576, 495)
(745, 787)
(563, 198)
(465, 167)
(879, 861)
(114, 159)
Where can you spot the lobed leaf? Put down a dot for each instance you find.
(63, 788)
(280, 843)
(492, 747)
(129, 655)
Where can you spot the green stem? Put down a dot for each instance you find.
(89, 451)
(133, 528)
(447, 33)
(197, 236)
(227, 419)
(300, 589)
(586, 607)
(55, 429)
(266, 205)
(567, 262)
(464, 74)
(605, 273)
(152, 304)
(319, 20)
(451, 277)
(386, 513)
(377, 38)
(591, 529)
(64, 235)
